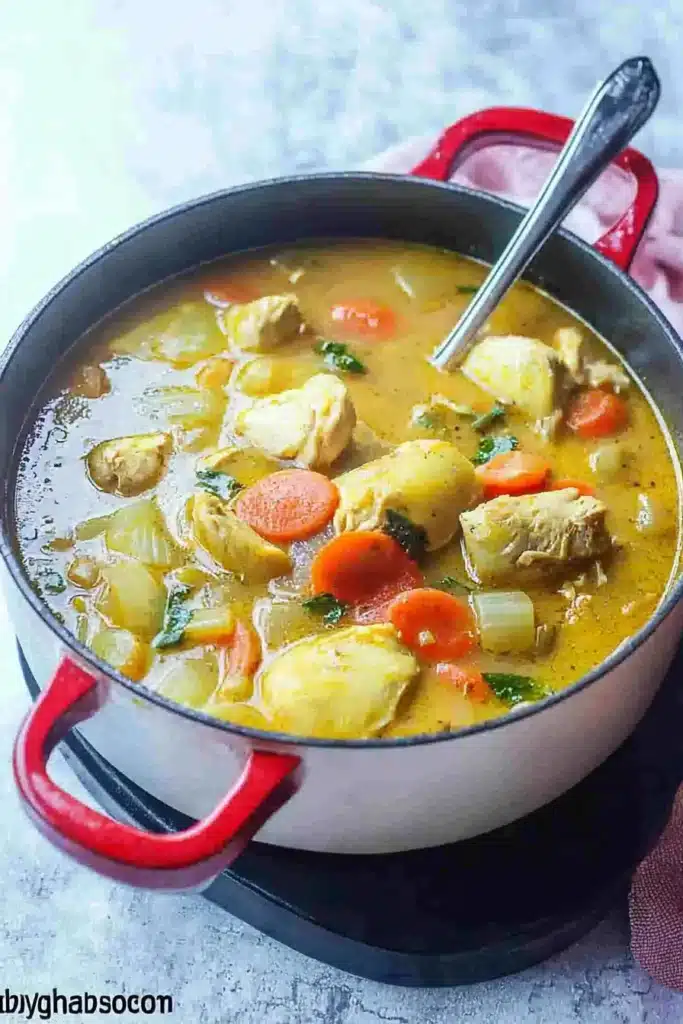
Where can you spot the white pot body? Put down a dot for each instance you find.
(376, 799)
(371, 798)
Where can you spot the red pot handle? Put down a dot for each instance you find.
(516, 124)
(182, 860)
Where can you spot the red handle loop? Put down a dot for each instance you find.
(183, 860)
(516, 124)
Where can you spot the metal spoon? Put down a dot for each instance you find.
(618, 108)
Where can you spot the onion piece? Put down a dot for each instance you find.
(139, 530)
(609, 461)
(182, 336)
(190, 408)
(654, 517)
(506, 621)
(133, 598)
(124, 651)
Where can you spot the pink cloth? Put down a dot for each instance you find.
(517, 172)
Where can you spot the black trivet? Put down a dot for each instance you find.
(457, 914)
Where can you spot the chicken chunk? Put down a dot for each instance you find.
(129, 465)
(342, 685)
(599, 374)
(430, 482)
(535, 531)
(312, 424)
(523, 372)
(569, 343)
(233, 544)
(264, 324)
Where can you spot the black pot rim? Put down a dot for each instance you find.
(259, 737)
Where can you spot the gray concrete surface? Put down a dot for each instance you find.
(112, 109)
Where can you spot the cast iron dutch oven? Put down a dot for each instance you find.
(366, 796)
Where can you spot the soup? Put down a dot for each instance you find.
(251, 492)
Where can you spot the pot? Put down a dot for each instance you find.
(348, 797)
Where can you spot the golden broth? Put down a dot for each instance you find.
(595, 609)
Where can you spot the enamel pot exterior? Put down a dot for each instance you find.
(343, 797)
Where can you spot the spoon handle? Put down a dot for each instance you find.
(617, 109)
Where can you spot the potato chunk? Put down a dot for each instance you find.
(430, 482)
(264, 324)
(535, 531)
(233, 544)
(520, 371)
(129, 465)
(312, 424)
(343, 685)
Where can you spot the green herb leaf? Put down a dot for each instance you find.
(338, 357)
(176, 617)
(221, 484)
(513, 689)
(412, 538)
(53, 583)
(494, 445)
(452, 585)
(328, 606)
(467, 289)
(483, 422)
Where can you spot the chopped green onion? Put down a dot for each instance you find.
(452, 585)
(222, 485)
(494, 445)
(513, 689)
(337, 356)
(328, 606)
(467, 289)
(506, 621)
(483, 422)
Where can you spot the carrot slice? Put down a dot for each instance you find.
(245, 651)
(583, 488)
(292, 504)
(366, 569)
(513, 473)
(469, 681)
(364, 319)
(222, 289)
(435, 625)
(597, 413)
